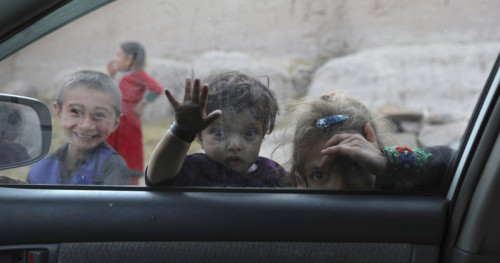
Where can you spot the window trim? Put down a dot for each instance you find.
(53, 21)
(476, 126)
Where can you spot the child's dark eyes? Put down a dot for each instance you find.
(100, 115)
(218, 132)
(250, 133)
(318, 176)
(96, 115)
(347, 168)
(76, 111)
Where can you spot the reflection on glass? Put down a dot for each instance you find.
(19, 133)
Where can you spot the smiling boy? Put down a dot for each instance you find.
(88, 107)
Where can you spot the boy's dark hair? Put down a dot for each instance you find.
(138, 53)
(237, 91)
(92, 80)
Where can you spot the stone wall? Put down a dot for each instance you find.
(309, 32)
(390, 51)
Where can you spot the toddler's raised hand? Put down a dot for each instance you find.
(190, 114)
(365, 152)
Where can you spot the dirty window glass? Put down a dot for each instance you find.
(371, 94)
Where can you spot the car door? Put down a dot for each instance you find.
(61, 223)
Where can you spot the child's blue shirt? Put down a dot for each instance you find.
(103, 166)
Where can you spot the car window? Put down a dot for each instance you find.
(371, 95)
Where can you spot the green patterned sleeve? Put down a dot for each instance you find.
(415, 169)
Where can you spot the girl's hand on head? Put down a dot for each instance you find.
(190, 114)
(365, 152)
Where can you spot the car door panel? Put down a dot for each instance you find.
(222, 252)
(136, 215)
(233, 221)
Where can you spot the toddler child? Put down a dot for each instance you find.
(336, 146)
(88, 106)
(241, 111)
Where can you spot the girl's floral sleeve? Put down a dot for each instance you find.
(419, 169)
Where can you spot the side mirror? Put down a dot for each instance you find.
(25, 131)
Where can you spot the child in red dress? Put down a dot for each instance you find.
(138, 88)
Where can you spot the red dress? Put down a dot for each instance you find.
(127, 139)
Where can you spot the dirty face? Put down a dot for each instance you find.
(87, 117)
(343, 174)
(234, 140)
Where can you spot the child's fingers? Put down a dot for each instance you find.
(195, 95)
(370, 133)
(187, 89)
(212, 117)
(326, 162)
(204, 97)
(336, 139)
(350, 147)
(359, 150)
(330, 154)
(171, 99)
(339, 150)
(342, 138)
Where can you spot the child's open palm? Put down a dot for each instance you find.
(190, 114)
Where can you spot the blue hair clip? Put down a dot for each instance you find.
(326, 122)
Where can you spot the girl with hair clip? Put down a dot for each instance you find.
(138, 89)
(337, 146)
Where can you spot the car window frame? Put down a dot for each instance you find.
(57, 18)
(475, 128)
